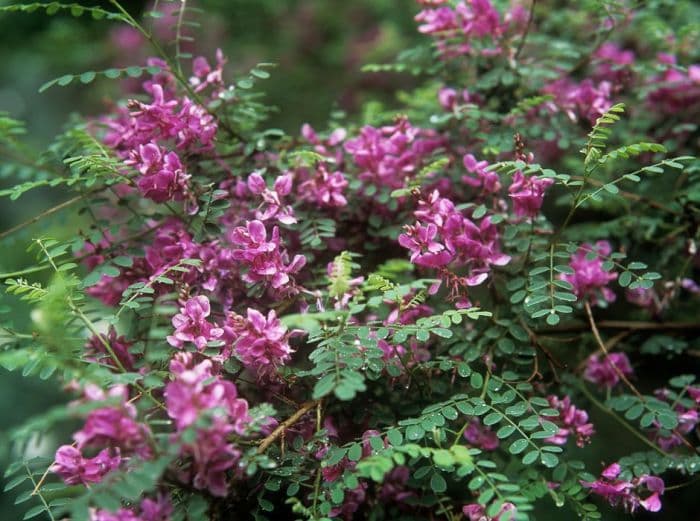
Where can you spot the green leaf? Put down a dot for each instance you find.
(438, 483)
(625, 279)
(518, 446)
(531, 457)
(355, 452)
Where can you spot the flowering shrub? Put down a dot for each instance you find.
(414, 315)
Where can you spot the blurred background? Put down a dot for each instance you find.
(319, 47)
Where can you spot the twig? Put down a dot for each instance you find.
(530, 18)
(620, 374)
(623, 324)
(45, 213)
(626, 425)
(306, 407)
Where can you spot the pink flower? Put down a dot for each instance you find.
(261, 343)
(325, 188)
(388, 155)
(585, 100)
(589, 279)
(570, 421)
(454, 28)
(96, 349)
(600, 370)
(191, 324)
(265, 260)
(205, 76)
(527, 193)
(162, 175)
(159, 509)
(626, 493)
(488, 181)
(76, 469)
(197, 393)
(425, 250)
(477, 512)
(114, 427)
(480, 436)
(272, 205)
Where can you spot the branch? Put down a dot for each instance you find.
(530, 18)
(620, 374)
(306, 407)
(623, 324)
(43, 214)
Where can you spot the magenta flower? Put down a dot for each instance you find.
(585, 100)
(272, 205)
(477, 512)
(454, 28)
(425, 250)
(265, 259)
(570, 421)
(159, 509)
(390, 154)
(488, 181)
(527, 193)
(261, 343)
(76, 469)
(191, 324)
(626, 493)
(325, 188)
(162, 176)
(196, 393)
(205, 76)
(589, 279)
(600, 369)
(96, 350)
(115, 427)
(677, 92)
(481, 436)
(687, 414)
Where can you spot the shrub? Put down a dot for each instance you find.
(403, 316)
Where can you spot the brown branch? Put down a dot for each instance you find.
(604, 349)
(620, 374)
(623, 324)
(282, 427)
(45, 213)
(530, 19)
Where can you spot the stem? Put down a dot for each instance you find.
(269, 440)
(622, 376)
(622, 422)
(45, 213)
(38, 494)
(530, 19)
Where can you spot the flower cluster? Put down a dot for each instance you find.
(113, 429)
(589, 279)
(443, 235)
(191, 324)
(470, 27)
(265, 260)
(388, 155)
(197, 396)
(627, 492)
(605, 370)
(306, 317)
(571, 420)
(159, 509)
(261, 343)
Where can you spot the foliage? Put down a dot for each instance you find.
(399, 317)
